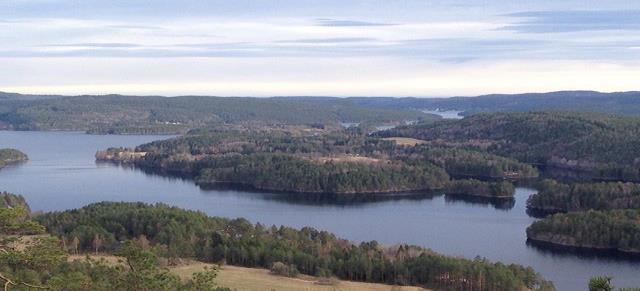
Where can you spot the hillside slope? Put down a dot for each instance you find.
(605, 146)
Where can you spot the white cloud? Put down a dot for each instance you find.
(310, 76)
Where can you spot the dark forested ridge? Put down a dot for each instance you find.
(605, 147)
(318, 161)
(173, 233)
(606, 230)
(155, 114)
(11, 156)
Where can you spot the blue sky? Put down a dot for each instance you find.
(343, 48)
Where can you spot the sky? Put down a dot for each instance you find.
(422, 48)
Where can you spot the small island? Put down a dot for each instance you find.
(614, 230)
(11, 156)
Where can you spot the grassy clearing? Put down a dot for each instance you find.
(347, 159)
(251, 279)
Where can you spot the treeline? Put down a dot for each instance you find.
(553, 196)
(607, 230)
(140, 128)
(606, 147)
(174, 232)
(10, 156)
(473, 187)
(155, 114)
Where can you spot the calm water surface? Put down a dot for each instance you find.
(61, 174)
(446, 114)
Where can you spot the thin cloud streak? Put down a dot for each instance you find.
(574, 21)
(348, 23)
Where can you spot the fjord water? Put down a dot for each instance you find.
(62, 174)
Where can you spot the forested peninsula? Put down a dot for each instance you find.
(321, 161)
(145, 235)
(555, 197)
(616, 230)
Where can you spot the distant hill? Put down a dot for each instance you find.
(625, 103)
(17, 96)
(156, 114)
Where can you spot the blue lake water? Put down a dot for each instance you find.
(446, 114)
(62, 174)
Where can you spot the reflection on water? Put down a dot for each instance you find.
(497, 203)
(62, 174)
(349, 200)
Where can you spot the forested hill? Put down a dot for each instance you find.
(607, 147)
(156, 114)
(624, 103)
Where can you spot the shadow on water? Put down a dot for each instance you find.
(498, 203)
(169, 176)
(325, 199)
(540, 213)
(13, 165)
(611, 255)
(577, 176)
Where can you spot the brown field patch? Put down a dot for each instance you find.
(406, 141)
